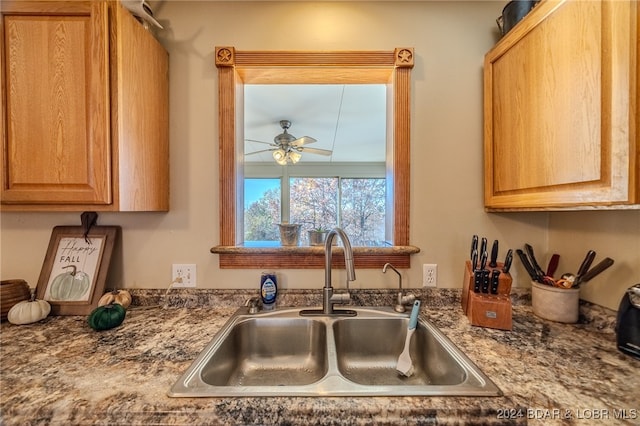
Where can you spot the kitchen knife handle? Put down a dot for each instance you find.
(532, 273)
(474, 246)
(534, 262)
(483, 245)
(495, 280)
(507, 261)
(494, 254)
(485, 280)
(483, 260)
(474, 260)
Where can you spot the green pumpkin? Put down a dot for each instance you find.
(107, 317)
(69, 285)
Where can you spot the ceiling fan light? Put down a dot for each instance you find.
(294, 157)
(280, 156)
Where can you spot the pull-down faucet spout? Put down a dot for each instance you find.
(348, 256)
(328, 298)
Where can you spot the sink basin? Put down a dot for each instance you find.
(367, 352)
(281, 353)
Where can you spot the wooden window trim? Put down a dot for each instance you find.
(236, 68)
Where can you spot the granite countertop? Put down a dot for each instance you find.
(59, 371)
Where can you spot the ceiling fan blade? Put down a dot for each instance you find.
(258, 152)
(315, 151)
(266, 143)
(302, 141)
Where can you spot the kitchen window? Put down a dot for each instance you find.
(354, 203)
(239, 68)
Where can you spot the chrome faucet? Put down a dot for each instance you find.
(402, 300)
(328, 297)
(253, 303)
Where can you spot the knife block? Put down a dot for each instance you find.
(487, 310)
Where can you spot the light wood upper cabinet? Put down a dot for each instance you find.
(561, 95)
(84, 109)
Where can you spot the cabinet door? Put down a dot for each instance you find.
(55, 104)
(141, 115)
(559, 108)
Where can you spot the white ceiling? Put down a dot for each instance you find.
(350, 119)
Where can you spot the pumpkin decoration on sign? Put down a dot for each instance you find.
(29, 311)
(70, 285)
(121, 297)
(107, 317)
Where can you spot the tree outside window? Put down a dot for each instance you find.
(314, 203)
(355, 204)
(363, 210)
(262, 210)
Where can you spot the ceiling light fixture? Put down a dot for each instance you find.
(294, 156)
(283, 157)
(286, 148)
(280, 156)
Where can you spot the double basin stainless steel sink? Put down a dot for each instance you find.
(281, 353)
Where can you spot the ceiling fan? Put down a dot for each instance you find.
(287, 149)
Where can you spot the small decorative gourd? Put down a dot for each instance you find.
(107, 317)
(70, 285)
(121, 297)
(28, 311)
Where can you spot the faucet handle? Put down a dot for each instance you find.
(341, 298)
(407, 299)
(254, 304)
(404, 300)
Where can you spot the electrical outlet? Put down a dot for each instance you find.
(429, 275)
(184, 275)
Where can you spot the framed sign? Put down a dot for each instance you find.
(75, 268)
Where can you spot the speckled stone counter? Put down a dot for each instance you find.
(59, 371)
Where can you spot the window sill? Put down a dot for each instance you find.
(239, 257)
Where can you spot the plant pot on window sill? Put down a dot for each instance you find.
(318, 237)
(289, 234)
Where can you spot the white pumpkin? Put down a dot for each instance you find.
(28, 311)
(121, 297)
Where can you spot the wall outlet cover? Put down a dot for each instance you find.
(429, 275)
(184, 275)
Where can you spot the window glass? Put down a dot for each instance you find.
(357, 205)
(334, 178)
(363, 210)
(314, 204)
(262, 209)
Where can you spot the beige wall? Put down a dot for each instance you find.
(450, 39)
